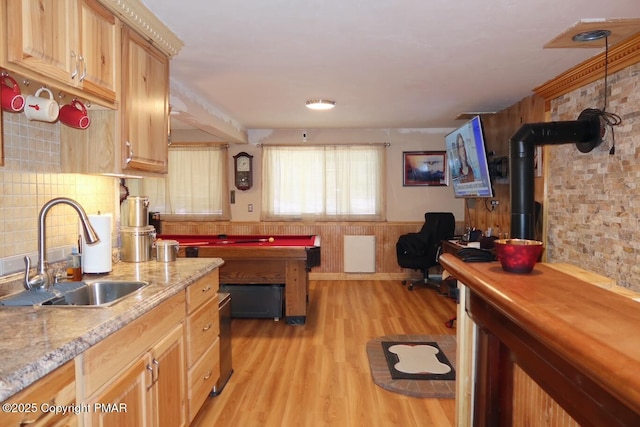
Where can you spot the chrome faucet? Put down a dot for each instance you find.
(42, 280)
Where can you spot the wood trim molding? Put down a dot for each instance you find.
(136, 15)
(621, 56)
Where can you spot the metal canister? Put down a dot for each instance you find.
(137, 243)
(138, 211)
(167, 250)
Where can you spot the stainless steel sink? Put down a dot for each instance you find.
(100, 293)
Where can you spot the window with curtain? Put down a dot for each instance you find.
(342, 182)
(196, 184)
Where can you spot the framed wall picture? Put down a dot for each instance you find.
(425, 168)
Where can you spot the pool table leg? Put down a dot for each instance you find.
(296, 292)
(296, 320)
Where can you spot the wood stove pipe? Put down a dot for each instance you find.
(586, 133)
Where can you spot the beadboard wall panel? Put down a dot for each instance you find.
(331, 240)
(532, 406)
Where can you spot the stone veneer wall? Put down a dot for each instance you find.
(594, 198)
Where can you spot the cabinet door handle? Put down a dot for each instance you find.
(155, 362)
(207, 289)
(207, 327)
(40, 417)
(84, 68)
(150, 369)
(208, 375)
(74, 73)
(129, 152)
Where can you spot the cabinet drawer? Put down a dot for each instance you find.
(202, 290)
(57, 388)
(203, 328)
(202, 377)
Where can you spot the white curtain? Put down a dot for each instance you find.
(344, 182)
(195, 185)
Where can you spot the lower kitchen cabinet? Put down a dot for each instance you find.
(203, 340)
(169, 385)
(57, 388)
(158, 370)
(203, 376)
(151, 392)
(138, 372)
(128, 392)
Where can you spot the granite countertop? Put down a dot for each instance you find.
(37, 340)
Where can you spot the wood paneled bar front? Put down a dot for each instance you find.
(580, 343)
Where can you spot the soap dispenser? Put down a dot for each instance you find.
(74, 265)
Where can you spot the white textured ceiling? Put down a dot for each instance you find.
(387, 63)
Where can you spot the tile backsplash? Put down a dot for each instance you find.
(30, 177)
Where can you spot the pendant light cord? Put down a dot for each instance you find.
(609, 119)
(606, 71)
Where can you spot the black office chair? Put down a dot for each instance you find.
(421, 250)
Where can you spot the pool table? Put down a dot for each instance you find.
(261, 259)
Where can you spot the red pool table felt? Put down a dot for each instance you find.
(242, 240)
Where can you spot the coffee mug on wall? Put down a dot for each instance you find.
(12, 99)
(42, 109)
(75, 115)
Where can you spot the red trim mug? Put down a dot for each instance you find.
(75, 115)
(12, 99)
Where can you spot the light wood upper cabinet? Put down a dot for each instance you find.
(134, 138)
(99, 37)
(42, 36)
(145, 105)
(73, 42)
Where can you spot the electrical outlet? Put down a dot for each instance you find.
(250, 207)
(495, 202)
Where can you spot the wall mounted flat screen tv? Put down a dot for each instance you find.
(467, 158)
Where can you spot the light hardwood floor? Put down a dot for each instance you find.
(318, 374)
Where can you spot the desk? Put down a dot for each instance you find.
(252, 259)
(453, 246)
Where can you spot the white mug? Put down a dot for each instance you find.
(42, 109)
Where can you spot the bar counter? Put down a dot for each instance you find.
(577, 341)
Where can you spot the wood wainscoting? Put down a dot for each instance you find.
(331, 240)
(532, 406)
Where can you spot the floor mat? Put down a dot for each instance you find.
(408, 360)
(426, 388)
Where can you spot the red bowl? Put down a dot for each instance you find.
(518, 255)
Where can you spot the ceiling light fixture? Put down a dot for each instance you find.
(320, 104)
(589, 36)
